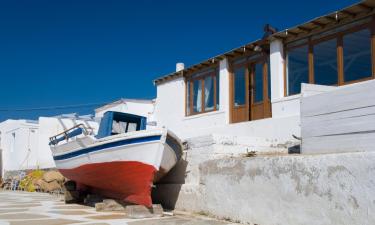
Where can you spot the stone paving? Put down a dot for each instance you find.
(17, 208)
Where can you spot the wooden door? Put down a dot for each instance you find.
(260, 105)
(1, 163)
(239, 89)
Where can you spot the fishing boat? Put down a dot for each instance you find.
(122, 161)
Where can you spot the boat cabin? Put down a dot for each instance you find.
(114, 123)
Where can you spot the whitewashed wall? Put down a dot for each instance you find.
(170, 112)
(170, 107)
(142, 108)
(20, 146)
(341, 120)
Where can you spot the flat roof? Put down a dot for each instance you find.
(354, 12)
(123, 100)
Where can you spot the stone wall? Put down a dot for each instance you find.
(269, 190)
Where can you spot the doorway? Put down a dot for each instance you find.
(250, 91)
(260, 104)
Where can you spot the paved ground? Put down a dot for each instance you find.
(43, 209)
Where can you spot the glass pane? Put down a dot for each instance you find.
(197, 103)
(132, 127)
(118, 127)
(325, 63)
(357, 55)
(208, 93)
(188, 97)
(217, 90)
(298, 67)
(239, 86)
(258, 82)
(269, 78)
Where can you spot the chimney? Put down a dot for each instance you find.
(180, 66)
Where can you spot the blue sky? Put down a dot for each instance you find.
(56, 53)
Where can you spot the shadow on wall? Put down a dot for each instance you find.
(166, 191)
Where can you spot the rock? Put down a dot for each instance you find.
(53, 175)
(110, 205)
(140, 211)
(45, 186)
(100, 206)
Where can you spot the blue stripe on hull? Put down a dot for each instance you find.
(108, 145)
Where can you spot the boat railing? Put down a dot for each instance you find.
(69, 133)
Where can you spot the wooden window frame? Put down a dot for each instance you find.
(339, 54)
(244, 65)
(190, 81)
(248, 75)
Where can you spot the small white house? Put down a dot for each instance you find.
(142, 107)
(19, 146)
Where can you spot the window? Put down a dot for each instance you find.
(297, 72)
(357, 55)
(209, 93)
(188, 87)
(269, 78)
(217, 78)
(202, 92)
(239, 86)
(121, 127)
(325, 63)
(197, 96)
(258, 81)
(338, 57)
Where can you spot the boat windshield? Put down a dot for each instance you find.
(120, 127)
(114, 123)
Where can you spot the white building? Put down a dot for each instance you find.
(19, 146)
(142, 107)
(251, 94)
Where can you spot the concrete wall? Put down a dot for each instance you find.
(277, 62)
(322, 189)
(278, 190)
(341, 120)
(20, 146)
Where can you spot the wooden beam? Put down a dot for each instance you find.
(292, 33)
(279, 37)
(331, 18)
(364, 6)
(347, 12)
(304, 29)
(319, 24)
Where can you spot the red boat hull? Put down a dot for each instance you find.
(124, 180)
